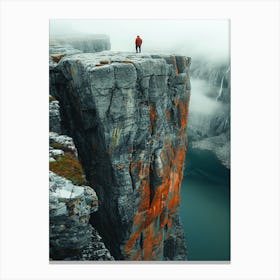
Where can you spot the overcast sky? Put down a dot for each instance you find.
(208, 38)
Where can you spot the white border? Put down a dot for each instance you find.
(255, 138)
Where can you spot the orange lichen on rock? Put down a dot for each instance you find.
(104, 62)
(121, 166)
(148, 242)
(57, 57)
(167, 195)
(131, 242)
(153, 115)
(175, 65)
(144, 194)
(127, 62)
(169, 221)
(139, 168)
(138, 255)
(152, 223)
(168, 115)
(174, 199)
(152, 238)
(175, 176)
(163, 219)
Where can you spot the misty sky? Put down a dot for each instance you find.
(207, 38)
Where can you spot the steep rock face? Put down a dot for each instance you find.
(128, 115)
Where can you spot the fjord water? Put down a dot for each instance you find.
(205, 207)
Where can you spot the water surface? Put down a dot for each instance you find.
(205, 207)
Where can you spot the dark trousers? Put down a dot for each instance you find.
(138, 48)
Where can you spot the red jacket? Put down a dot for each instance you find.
(138, 41)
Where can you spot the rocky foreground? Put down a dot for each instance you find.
(71, 235)
(70, 201)
(127, 115)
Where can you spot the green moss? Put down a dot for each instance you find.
(127, 62)
(51, 98)
(69, 167)
(116, 136)
(57, 146)
(104, 62)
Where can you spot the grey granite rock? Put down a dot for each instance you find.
(71, 235)
(54, 117)
(95, 251)
(64, 49)
(64, 142)
(67, 46)
(127, 114)
(54, 153)
(51, 159)
(174, 246)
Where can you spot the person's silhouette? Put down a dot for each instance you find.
(138, 43)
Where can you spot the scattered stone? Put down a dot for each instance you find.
(64, 142)
(55, 153)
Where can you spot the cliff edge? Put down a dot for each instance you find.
(127, 115)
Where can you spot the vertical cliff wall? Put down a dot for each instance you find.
(128, 115)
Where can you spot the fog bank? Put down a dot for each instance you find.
(195, 38)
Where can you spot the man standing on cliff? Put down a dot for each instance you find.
(138, 43)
